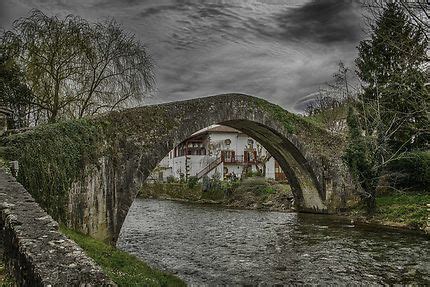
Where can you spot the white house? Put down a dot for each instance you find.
(217, 149)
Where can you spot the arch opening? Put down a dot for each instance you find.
(308, 193)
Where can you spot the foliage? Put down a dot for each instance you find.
(251, 173)
(75, 68)
(192, 181)
(393, 109)
(216, 193)
(14, 94)
(330, 105)
(256, 185)
(215, 181)
(360, 160)
(117, 69)
(229, 186)
(288, 119)
(5, 278)
(51, 158)
(411, 171)
(405, 208)
(395, 99)
(124, 269)
(171, 179)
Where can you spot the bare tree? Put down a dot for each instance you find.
(330, 104)
(75, 68)
(48, 50)
(117, 69)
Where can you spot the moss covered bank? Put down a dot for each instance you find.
(124, 269)
(407, 211)
(250, 193)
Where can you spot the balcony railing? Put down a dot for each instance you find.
(237, 159)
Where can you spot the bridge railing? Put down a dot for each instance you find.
(36, 253)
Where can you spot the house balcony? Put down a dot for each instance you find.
(238, 159)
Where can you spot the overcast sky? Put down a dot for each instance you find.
(280, 50)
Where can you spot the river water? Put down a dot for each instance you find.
(211, 245)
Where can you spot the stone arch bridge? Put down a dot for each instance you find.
(118, 150)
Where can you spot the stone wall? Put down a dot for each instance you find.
(35, 252)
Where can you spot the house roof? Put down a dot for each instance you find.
(217, 129)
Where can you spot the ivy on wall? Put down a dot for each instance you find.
(52, 157)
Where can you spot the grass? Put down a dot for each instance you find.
(5, 278)
(409, 209)
(124, 269)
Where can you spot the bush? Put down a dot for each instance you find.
(230, 186)
(171, 179)
(253, 174)
(256, 185)
(411, 171)
(192, 181)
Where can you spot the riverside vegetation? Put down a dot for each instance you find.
(124, 269)
(253, 192)
(385, 119)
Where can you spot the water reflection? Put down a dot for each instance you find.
(212, 245)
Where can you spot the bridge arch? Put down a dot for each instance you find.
(150, 132)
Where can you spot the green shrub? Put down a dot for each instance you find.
(256, 185)
(411, 171)
(171, 179)
(253, 174)
(192, 181)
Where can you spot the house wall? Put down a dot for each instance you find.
(270, 168)
(216, 142)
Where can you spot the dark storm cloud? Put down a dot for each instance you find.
(198, 8)
(322, 21)
(3, 13)
(280, 50)
(151, 11)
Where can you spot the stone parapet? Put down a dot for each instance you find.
(35, 252)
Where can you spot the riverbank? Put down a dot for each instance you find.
(250, 193)
(405, 211)
(124, 269)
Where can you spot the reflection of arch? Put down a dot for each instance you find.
(140, 142)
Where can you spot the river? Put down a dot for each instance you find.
(211, 245)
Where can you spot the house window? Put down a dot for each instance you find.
(228, 156)
(250, 156)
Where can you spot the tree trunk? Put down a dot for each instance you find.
(56, 103)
